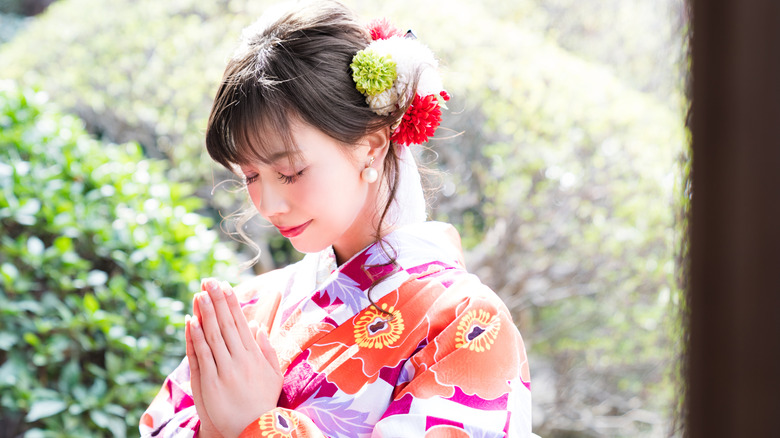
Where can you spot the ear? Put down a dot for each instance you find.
(378, 142)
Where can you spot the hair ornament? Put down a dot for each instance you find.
(372, 72)
(383, 72)
(382, 29)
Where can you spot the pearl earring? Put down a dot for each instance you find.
(369, 174)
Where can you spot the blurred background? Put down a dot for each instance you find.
(563, 159)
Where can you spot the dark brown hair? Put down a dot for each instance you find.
(294, 65)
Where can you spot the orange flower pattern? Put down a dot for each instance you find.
(276, 424)
(434, 354)
(477, 330)
(377, 329)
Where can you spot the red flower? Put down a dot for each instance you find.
(381, 29)
(420, 121)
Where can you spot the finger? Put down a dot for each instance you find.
(196, 307)
(225, 319)
(268, 350)
(207, 368)
(244, 332)
(195, 385)
(212, 332)
(192, 357)
(189, 348)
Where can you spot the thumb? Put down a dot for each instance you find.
(261, 337)
(253, 329)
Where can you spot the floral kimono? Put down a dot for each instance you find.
(436, 354)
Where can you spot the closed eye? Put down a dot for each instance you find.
(286, 179)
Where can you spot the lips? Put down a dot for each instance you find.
(291, 232)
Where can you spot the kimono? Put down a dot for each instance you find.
(432, 352)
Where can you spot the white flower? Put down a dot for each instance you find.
(402, 90)
(384, 102)
(411, 57)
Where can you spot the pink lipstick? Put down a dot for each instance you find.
(293, 231)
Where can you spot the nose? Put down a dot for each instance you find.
(273, 200)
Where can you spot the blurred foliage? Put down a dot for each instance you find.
(560, 154)
(15, 7)
(24, 7)
(684, 197)
(142, 71)
(10, 24)
(99, 253)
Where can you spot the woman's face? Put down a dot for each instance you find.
(320, 200)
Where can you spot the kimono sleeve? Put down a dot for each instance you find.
(172, 412)
(471, 380)
(282, 423)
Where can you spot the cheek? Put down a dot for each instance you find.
(254, 195)
(339, 192)
(325, 193)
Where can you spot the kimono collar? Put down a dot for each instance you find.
(412, 247)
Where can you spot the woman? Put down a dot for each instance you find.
(379, 330)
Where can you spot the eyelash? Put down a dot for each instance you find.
(290, 179)
(282, 177)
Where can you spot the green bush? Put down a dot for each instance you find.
(154, 69)
(99, 252)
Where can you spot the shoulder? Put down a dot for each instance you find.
(469, 288)
(454, 305)
(457, 289)
(470, 335)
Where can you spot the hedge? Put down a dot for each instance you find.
(99, 254)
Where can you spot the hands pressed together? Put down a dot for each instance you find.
(235, 372)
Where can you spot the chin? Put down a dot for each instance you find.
(309, 247)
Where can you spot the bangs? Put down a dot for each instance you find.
(289, 70)
(250, 123)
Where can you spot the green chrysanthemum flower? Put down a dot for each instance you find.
(373, 73)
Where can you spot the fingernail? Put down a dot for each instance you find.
(195, 323)
(205, 298)
(186, 318)
(211, 284)
(226, 288)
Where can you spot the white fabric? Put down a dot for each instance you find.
(409, 205)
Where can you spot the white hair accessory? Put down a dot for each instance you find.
(409, 204)
(383, 72)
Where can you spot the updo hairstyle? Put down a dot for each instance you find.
(294, 65)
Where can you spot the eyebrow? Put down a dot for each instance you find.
(275, 157)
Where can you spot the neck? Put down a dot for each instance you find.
(363, 231)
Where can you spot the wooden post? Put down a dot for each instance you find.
(734, 368)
